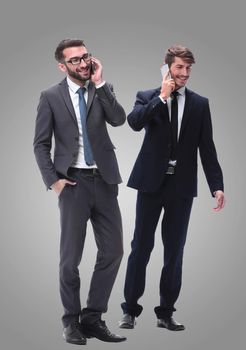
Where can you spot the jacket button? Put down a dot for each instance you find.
(76, 138)
(74, 155)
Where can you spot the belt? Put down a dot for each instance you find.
(170, 170)
(89, 171)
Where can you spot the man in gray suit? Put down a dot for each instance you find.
(85, 176)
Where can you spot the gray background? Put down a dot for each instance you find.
(130, 37)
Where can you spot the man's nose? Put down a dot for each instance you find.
(185, 71)
(82, 64)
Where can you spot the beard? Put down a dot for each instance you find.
(76, 75)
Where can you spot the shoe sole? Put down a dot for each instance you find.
(105, 340)
(170, 329)
(74, 342)
(126, 326)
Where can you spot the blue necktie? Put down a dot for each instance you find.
(83, 115)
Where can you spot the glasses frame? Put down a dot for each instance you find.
(86, 59)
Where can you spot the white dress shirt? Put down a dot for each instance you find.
(181, 104)
(73, 88)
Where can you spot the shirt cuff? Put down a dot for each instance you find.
(100, 85)
(164, 101)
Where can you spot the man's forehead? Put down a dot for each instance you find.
(74, 51)
(181, 61)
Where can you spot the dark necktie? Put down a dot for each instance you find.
(83, 115)
(174, 124)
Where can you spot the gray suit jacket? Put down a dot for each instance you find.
(56, 117)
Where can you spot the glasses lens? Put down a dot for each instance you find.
(86, 57)
(75, 60)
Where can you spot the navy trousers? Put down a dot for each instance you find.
(174, 229)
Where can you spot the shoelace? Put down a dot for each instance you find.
(103, 325)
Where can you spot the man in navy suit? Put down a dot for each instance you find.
(177, 124)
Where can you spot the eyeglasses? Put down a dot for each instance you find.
(77, 60)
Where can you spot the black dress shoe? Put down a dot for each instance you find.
(127, 322)
(170, 324)
(100, 331)
(73, 334)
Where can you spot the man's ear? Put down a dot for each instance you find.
(62, 67)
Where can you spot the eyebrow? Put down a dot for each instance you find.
(182, 65)
(75, 57)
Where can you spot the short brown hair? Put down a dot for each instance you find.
(178, 51)
(64, 44)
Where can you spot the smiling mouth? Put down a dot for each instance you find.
(84, 70)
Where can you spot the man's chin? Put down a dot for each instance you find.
(82, 79)
(85, 77)
(180, 85)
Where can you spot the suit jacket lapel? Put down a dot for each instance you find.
(67, 99)
(91, 94)
(186, 114)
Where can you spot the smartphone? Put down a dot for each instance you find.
(93, 68)
(164, 69)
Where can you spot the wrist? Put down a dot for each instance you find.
(98, 82)
(53, 186)
(217, 192)
(164, 96)
(162, 99)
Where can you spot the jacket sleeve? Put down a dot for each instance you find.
(208, 153)
(144, 110)
(43, 141)
(114, 112)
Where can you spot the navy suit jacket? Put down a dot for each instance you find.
(149, 170)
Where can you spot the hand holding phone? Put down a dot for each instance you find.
(168, 84)
(96, 71)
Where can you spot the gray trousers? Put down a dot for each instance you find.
(91, 198)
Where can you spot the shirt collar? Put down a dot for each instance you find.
(182, 91)
(74, 87)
